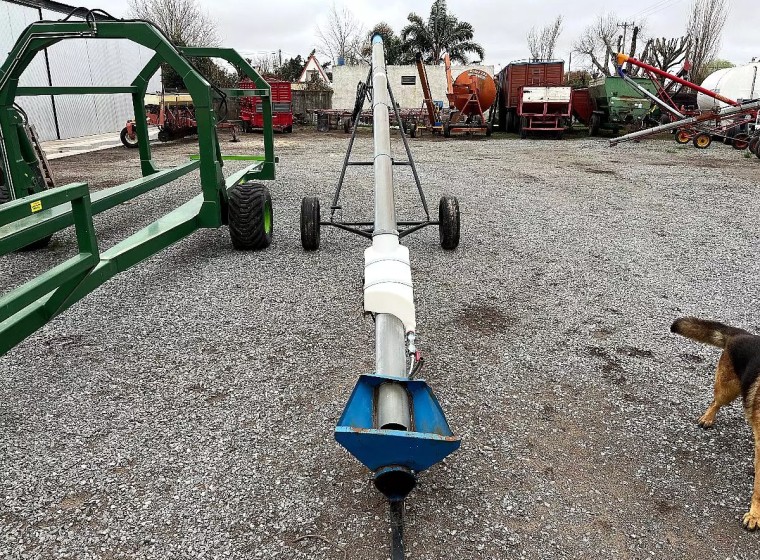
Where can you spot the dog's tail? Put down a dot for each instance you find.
(709, 332)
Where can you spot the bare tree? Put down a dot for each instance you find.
(707, 20)
(541, 42)
(183, 21)
(265, 64)
(596, 44)
(342, 37)
(666, 54)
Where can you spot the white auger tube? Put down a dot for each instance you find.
(387, 274)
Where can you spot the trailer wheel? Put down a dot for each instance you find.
(126, 140)
(523, 127)
(413, 131)
(346, 126)
(310, 219)
(447, 130)
(489, 129)
(683, 136)
(448, 222)
(741, 141)
(752, 146)
(250, 216)
(702, 141)
(594, 125)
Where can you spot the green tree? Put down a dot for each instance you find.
(441, 33)
(291, 69)
(394, 47)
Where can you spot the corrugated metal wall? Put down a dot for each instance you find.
(75, 62)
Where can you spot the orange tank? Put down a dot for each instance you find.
(472, 82)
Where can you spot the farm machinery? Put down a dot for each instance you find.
(392, 422)
(472, 91)
(737, 121)
(174, 116)
(33, 213)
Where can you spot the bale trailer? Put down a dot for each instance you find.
(32, 214)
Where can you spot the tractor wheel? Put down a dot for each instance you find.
(310, 223)
(126, 140)
(523, 127)
(702, 141)
(683, 136)
(741, 141)
(250, 216)
(594, 125)
(448, 222)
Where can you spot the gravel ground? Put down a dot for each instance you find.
(186, 408)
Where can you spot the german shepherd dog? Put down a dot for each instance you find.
(738, 373)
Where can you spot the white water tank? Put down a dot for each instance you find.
(737, 83)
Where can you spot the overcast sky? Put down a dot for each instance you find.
(500, 26)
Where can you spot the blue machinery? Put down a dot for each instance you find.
(392, 423)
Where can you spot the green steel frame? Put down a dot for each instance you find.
(34, 214)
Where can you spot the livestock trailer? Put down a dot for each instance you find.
(524, 73)
(618, 104)
(251, 114)
(544, 109)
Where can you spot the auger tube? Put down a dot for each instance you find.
(390, 353)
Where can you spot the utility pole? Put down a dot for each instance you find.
(625, 25)
(280, 56)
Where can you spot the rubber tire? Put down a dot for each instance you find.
(523, 127)
(249, 204)
(447, 130)
(702, 141)
(310, 218)
(753, 143)
(683, 137)
(489, 130)
(594, 125)
(346, 126)
(124, 137)
(740, 141)
(413, 131)
(449, 222)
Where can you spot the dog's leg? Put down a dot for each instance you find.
(751, 519)
(727, 389)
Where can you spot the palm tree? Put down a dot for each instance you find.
(441, 33)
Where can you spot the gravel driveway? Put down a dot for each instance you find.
(186, 409)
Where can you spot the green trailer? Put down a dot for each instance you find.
(617, 104)
(30, 213)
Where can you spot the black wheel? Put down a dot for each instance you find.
(347, 126)
(594, 124)
(164, 136)
(289, 129)
(702, 140)
(448, 222)
(250, 216)
(740, 141)
(310, 223)
(126, 140)
(413, 132)
(489, 129)
(523, 127)
(511, 124)
(753, 143)
(447, 130)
